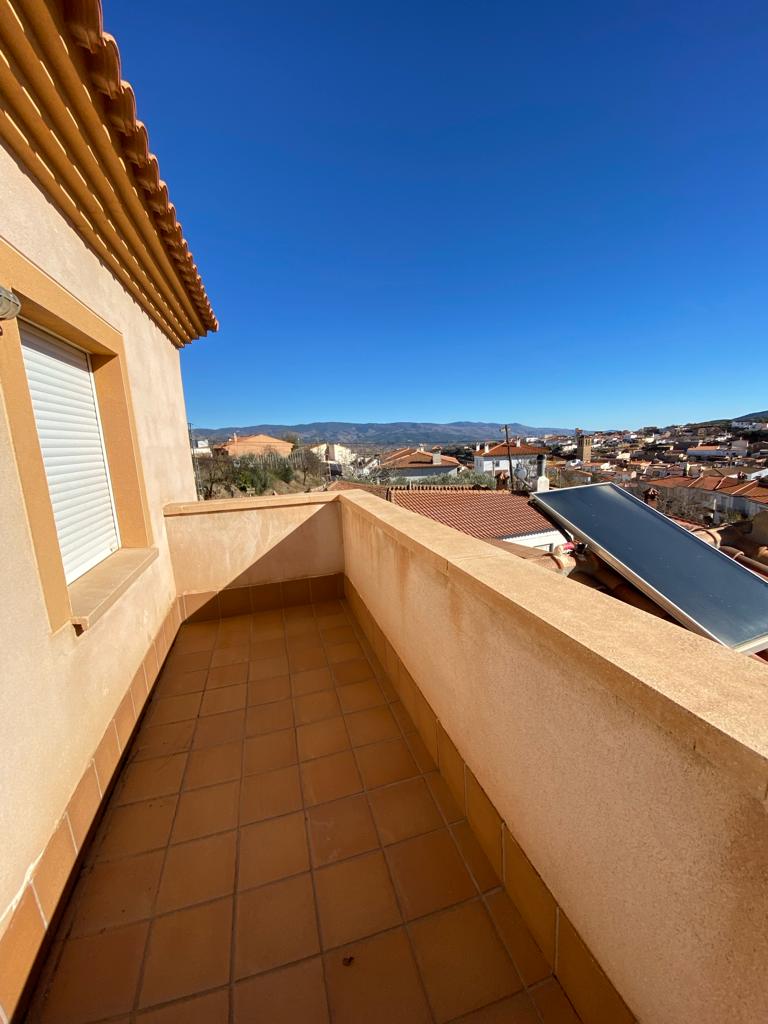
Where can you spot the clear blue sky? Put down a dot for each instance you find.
(555, 213)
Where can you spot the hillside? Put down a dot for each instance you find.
(460, 432)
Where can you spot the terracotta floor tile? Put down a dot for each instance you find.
(270, 794)
(227, 698)
(297, 627)
(216, 729)
(272, 717)
(516, 1010)
(188, 952)
(267, 648)
(196, 872)
(118, 892)
(144, 780)
(267, 668)
(158, 740)
(212, 765)
(192, 661)
(234, 630)
(359, 696)
(380, 986)
(309, 641)
(322, 738)
(443, 797)
(328, 620)
(96, 976)
(196, 636)
(474, 857)
(270, 850)
(262, 630)
(341, 829)
(211, 1008)
(205, 811)
(429, 874)
(372, 726)
(273, 750)
(231, 655)
(462, 961)
(312, 657)
(355, 898)
(314, 707)
(404, 810)
(526, 955)
(338, 635)
(345, 652)
(553, 1004)
(173, 709)
(275, 925)
(291, 995)
(227, 675)
(383, 763)
(329, 778)
(136, 828)
(267, 691)
(348, 672)
(173, 683)
(312, 681)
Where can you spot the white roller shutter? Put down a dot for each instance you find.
(67, 418)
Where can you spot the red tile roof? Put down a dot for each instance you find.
(728, 485)
(412, 458)
(84, 19)
(501, 451)
(484, 514)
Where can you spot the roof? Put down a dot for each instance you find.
(502, 450)
(257, 439)
(483, 514)
(751, 489)
(412, 458)
(109, 184)
(380, 490)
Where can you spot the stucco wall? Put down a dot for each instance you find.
(59, 691)
(583, 719)
(248, 542)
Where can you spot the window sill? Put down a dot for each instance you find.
(95, 592)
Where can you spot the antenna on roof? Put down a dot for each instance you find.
(509, 456)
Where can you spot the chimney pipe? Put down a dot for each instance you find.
(437, 458)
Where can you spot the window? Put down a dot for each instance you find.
(66, 413)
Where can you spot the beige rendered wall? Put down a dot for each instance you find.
(251, 541)
(626, 755)
(60, 691)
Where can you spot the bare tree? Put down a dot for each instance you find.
(216, 473)
(306, 463)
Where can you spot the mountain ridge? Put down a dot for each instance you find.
(404, 432)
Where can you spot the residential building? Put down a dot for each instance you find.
(517, 458)
(309, 756)
(418, 464)
(719, 496)
(490, 515)
(256, 444)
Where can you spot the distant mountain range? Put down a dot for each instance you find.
(461, 432)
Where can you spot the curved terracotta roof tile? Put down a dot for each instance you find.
(84, 19)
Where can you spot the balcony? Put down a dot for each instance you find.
(389, 772)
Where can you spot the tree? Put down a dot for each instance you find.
(306, 463)
(216, 473)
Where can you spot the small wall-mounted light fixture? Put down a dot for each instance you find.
(10, 304)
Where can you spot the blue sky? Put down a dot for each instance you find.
(553, 213)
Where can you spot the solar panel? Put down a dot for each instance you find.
(698, 585)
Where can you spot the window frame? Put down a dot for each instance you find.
(50, 308)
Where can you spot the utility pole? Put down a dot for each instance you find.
(509, 456)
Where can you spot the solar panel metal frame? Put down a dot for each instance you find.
(757, 643)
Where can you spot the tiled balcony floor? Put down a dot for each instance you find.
(280, 849)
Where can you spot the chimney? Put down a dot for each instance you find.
(518, 442)
(437, 458)
(542, 480)
(477, 446)
(486, 446)
(421, 448)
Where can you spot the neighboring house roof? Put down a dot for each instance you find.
(415, 458)
(501, 451)
(258, 439)
(751, 489)
(91, 155)
(380, 490)
(483, 514)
